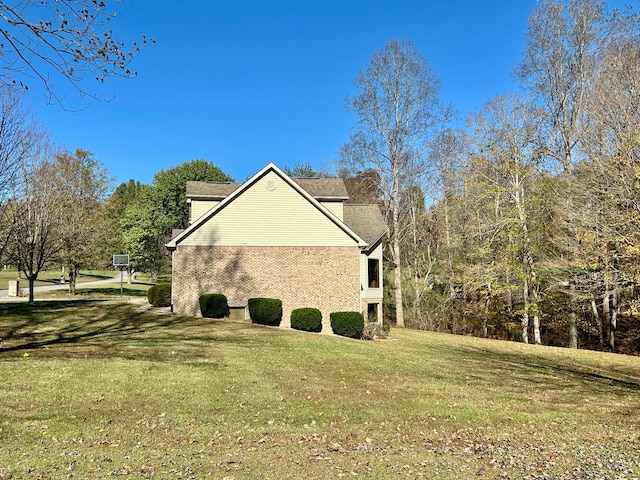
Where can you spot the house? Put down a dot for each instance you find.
(274, 236)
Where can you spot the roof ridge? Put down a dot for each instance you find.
(212, 181)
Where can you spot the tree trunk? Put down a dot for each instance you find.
(395, 241)
(485, 320)
(573, 326)
(573, 331)
(32, 281)
(596, 316)
(613, 321)
(606, 305)
(507, 279)
(417, 290)
(613, 316)
(536, 330)
(536, 316)
(73, 274)
(398, 286)
(525, 313)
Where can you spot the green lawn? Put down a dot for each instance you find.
(106, 290)
(94, 389)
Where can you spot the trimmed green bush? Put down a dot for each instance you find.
(160, 295)
(265, 311)
(214, 305)
(347, 324)
(307, 319)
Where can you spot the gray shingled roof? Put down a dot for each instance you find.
(324, 188)
(318, 188)
(366, 221)
(210, 190)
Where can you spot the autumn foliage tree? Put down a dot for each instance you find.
(82, 183)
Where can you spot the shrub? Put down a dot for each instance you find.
(265, 311)
(347, 324)
(214, 305)
(373, 330)
(307, 319)
(160, 295)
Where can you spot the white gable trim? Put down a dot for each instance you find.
(271, 167)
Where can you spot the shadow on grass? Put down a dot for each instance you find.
(550, 373)
(87, 294)
(109, 328)
(109, 292)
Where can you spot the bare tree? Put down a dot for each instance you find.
(33, 213)
(68, 40)
(558, 66)
(400, 113)
(362, 186)
(18, 132)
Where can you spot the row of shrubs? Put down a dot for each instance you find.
(268, 311)
(347, 324)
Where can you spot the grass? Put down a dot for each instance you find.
(146, 278)
(107, 290)
(94, 389)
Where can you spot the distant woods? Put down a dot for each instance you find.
(526, 224)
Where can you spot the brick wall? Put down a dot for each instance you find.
(326, 278)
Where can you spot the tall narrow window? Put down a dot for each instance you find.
(372, 312)
(374, 273)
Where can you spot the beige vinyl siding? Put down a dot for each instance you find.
(366, 292)
(269, 213)
(200, 207)
(336, 208)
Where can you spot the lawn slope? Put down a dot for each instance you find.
(99, 389)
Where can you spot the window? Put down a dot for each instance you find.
(372, 312)
(374, 273)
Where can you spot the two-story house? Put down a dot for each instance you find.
(273, 236)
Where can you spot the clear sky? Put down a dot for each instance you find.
(247, 82)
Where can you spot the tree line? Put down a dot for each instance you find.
(59, 208)
(525, 224)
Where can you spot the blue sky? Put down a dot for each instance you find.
(244, 83)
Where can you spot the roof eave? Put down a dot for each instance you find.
(373, 245)
(207, 197)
